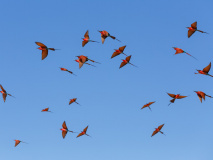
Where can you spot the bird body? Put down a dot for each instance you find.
(73, 100)
(205, 70)
(175, 96)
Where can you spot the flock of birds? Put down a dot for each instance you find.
(84, 59)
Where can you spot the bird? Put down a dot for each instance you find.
(44, 49)
(193, 29)
(86, 39)
(105, 34)
(118, 51)
(84, 132)
(65, 130)
(175, 96)
(148, 105)
(4, 93)
(125, 61)
(73, 100)
(82, 59)
(201, 95)
(64, 69)
(178, 50)
(158, 130)
(17, 142)
(77, 60)
(205, 70)
(46, 110)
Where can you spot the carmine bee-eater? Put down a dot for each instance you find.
(193, 29)
(44, 49)
(84, 132)
(77, 60)
(175, 96)
(64, 69)
(148, 105)
(17, 142)
(104, 35)
(201, 95)
(46, 110)
(73, 100)
(65, 130)
(205, 70)
(119, 51)
(158, 130)
(86, 39)
(126, 61)
(178, 51)
(82, 59)
(4, 93)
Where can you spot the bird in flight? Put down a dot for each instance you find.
(4, 93)
(84, 132)
(193, 29)
(83, 59)
(201, 95)
(118, 51)
(86, 39)
(73, 100)
(205, 70)
(104, 35)
(65, 130)
(64, 69)
(126, 61)
(44, 49)
(148, 105)
(46, 110)
(175, 96)
(178, 51)
(158, 130)
(17, 142)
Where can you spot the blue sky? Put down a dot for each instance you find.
(110, 97)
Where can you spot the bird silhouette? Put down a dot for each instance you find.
(73, 100)
(65, 130)
(205, 70)
(64, 69)
(193, 29)
(118, 52)
(44, 49)
(148, 105)
(175, 96)
(86, 39)
(178, 51)
(46, 110)
(17, 142)
(84, 132)
(4, 93)
(83, 59)
(201, 95)
(126, 61)
(105, 34)
(158, 130)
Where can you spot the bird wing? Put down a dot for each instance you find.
(115, 54)
(200, 97)
(122, 48)
(161, 126)
(122, 64)
(171, 95)
(83, 59)
(17, 142)
(194, 25)
(103, 38)
(4, 95)
(155, 132)
(64, 133)
(84, 43)
(44, 53)
(85, 129)
(41, 44)
(128, 58)
(86, 35)
(180, 97)
(207, 68)
(64, 125)
(2, 88)
(80, 64)
(151, 103)
(203, 95)
(80, 134)
(190, 32)
(71, 102)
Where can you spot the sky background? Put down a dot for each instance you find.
(110, 97)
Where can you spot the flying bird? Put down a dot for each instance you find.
(104, 35)
(65, 130)
(17, 142)
(73, 100)
(44, 49)
(193, 29)
(46, 110)
(201, 95)
(178, 50)
(84, 132)
(205, 70)
(118, 51)
(148, 105)
(83, 59)
(158, 130)
(64, 69)
(175, 96)
(126, 61)
(4, 93)
(86, 39)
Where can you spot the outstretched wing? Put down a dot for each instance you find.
(64, 125)
(200, 97)
(4, 95)
(128, 58)
(194, 25)
(80, 134)
(84, 43)
(17, 142)
(161, 126)
(44, 54)
(190, 32)
(155, 132)
(86, 35)
(122, 64)
(41, 44)
(122, 48)
(2, 88)
(103, 38)
(85, 129)
(180, 97)
(171, 95)
(115, 54)
(207, 68)
(64, 133)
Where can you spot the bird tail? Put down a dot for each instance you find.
(90, 64)
(202, 31)
(190, 55)
(53, 49)
(209, 96)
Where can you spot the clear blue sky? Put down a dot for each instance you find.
(110, 97)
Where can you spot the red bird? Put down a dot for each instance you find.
(193, 29)
(86, 39)
(84, 132)
(83, 59)
(73, 100)
(46, 110)
(148, 105)
(201, 95)
(158, 130)
(126, 61)
(17, 142)
(205, 70)
(175, 96)
(44, 49)
(104, 35)
(65, 130)
(178, 50)
(119, 51)
(4, 93)
(64, 69)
